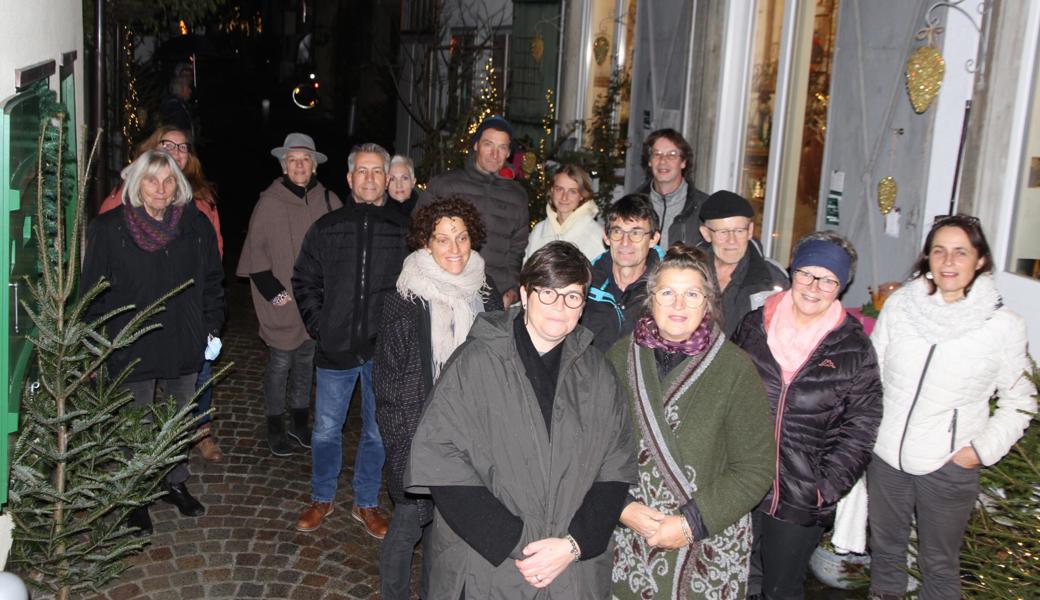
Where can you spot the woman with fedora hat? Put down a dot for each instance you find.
(282, 216)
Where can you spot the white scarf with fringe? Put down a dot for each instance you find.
(454, 300)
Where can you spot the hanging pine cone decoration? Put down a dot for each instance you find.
(924, 75)
(886, 194)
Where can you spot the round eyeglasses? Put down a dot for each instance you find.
(548, 296)
(691, 298)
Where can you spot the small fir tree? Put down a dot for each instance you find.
(84, 457)
(1000, 559)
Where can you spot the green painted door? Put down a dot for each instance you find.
(19, 137)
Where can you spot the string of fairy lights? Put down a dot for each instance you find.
(131, 120)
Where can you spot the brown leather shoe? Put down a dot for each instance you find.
(311, 518)
(374, 520)
(209, 450)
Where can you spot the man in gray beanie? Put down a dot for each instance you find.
(746, 278)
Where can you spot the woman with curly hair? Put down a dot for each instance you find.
(442, 287)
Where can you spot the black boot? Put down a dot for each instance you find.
(140, 519)
(177, 495)
(276, 436)
(301, 430)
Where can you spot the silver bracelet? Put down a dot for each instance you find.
(575, 550)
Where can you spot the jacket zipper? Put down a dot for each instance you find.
(780, 405)
(953, 430)
(917, 394)
(361, 308)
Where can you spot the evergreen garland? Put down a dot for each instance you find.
(84, 457)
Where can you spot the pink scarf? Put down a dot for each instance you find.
(790, 343)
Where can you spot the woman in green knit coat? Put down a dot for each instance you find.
(705, 443)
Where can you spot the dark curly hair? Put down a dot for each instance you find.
(425, 219)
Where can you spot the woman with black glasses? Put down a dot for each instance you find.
(821, 375)
(945, 344)
(526, 448)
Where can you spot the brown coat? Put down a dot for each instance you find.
(276, 229)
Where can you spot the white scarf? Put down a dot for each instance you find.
(454, 300)
(937, 320)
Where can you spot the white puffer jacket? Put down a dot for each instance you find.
(580, 229)
(966, 351)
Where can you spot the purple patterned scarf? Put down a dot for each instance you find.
(151, 235)
(647, 336)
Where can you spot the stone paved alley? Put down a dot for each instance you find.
(246, 545)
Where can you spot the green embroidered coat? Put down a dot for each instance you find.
(713, 419)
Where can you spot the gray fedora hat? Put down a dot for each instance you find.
(298, 141)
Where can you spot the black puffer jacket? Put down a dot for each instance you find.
(347, 267)
(826, 419)
(139, 278)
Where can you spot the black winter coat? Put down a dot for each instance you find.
(826, 419)
(403, 377)
(139, 278)
(754, 279)
(346, 270)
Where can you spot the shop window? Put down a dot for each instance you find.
(1024, 251)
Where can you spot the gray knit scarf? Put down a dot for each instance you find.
(454, 300)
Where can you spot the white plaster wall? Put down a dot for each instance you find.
(32, 31)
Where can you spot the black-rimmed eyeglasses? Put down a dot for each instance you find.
(170, 146)
(548, 296)
(826, 284)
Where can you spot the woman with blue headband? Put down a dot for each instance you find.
(821, 375)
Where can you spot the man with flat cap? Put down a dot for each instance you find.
(488, 185)
(281, 218)
(746, 277)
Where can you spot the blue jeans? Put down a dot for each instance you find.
(205, 399)
(335, 388)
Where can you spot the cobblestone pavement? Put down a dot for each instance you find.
(246, 545)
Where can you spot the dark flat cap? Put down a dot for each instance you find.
(724, 204)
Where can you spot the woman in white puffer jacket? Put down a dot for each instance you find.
(570, 215)
(945, 344)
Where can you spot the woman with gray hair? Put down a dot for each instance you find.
(151, 244)
(821, 374)
(282, 216)
(400, 183)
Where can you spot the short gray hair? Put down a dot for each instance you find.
(149, 164)
(829, 235)
(402, 160)
(368, 148)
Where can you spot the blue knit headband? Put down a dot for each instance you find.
(822, 253)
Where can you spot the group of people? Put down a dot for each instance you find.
(633, 403)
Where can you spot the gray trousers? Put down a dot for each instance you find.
(395, 554)
(281, 364)
(182, 389)
(943, 501)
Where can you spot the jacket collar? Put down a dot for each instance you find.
(495, 329)
(589, 210)
(300, 191)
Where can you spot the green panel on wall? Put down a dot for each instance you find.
(534, 57)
